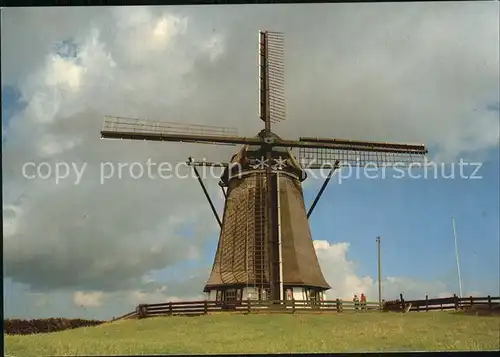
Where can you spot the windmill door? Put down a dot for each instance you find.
(315, 298)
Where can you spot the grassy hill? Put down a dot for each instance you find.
(229, 333)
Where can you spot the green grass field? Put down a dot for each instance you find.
(226, 333)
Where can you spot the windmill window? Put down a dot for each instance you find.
(230, 295)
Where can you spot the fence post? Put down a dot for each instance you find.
(489, 302)
(141, 311)
(293, 305)
(170, 310)
(249, 309)
(471, 301)
(338, 305)
(205, 307)
(455, 301)
(426, 303)
(402, 302)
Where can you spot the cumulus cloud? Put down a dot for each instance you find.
(338, 269)
(341, 274)
(89, 239)
(159, 295)
(88, 299)
(419, 72)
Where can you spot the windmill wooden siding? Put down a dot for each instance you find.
(301, 266)
(242, 255)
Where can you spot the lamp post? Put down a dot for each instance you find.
(456, 256)
(379, 274)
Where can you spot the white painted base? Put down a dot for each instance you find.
(252, 293)
(212, 295)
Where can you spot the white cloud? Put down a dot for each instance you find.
(341, 274)
(444, 294)
(11, 217)
(141, 33)
(88, 299)
(159, 295)
(64, 73)
(214, 46)
(67, 98)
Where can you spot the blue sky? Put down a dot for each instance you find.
(413, 218)
(11, 103)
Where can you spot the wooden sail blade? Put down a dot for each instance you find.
(272, 76)
(140, 129)
(276, 73)
(317, 158)
(374, 145)
(350, 146)
(316, 153)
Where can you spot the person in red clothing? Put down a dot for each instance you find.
(363, 301)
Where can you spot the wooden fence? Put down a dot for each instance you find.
(249, 306)
(205, 307)
(129, 315)
(449, 303)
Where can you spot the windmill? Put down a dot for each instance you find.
(265, 249)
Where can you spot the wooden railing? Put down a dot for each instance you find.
(450, 303)
(129, 315)
(205, 307)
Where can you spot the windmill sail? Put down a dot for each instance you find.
(141, 129)
(358, 153)
(265, 245)
(271, 76)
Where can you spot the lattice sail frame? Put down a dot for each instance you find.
(318, 158)
(272, 75)
(122, 124)
(122, 127)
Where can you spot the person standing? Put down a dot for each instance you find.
(363, 301)
(356, 302)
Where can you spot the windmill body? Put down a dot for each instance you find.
(241, 268)
(265, 248)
